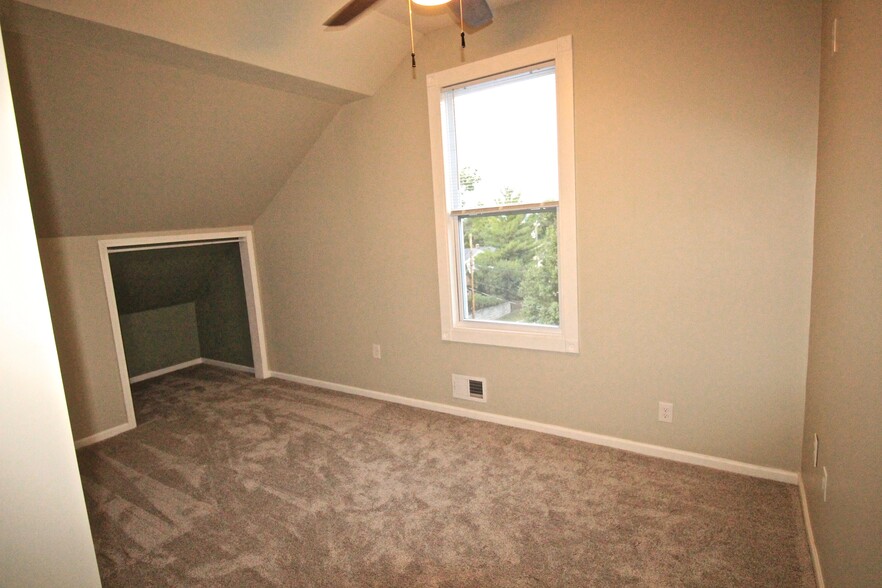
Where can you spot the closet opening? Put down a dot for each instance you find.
(177, 301)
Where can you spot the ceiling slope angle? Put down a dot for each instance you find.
(125, 132)
(160, 115)
(114, 143)
(283, 36)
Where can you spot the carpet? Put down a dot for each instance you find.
(231, 481)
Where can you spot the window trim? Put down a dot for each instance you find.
(565, 337)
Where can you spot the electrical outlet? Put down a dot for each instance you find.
(815, 458)
(378, 353)
(666, 412)
(824, 484)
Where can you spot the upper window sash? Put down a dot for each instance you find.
(537, 80)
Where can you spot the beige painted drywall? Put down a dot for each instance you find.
(81, 321)
(844, 389)
(152, 146)
(83, 332)
(696, 130)
(44, 538)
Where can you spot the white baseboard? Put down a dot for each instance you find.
(191, 363)
(228, 365)
(810, 534)
(106, 434)
(165, 370)
(718, 463)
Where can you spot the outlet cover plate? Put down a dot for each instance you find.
(666, 412)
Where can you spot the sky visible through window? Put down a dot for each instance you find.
(507, 134)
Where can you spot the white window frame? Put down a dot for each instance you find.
(564, 337)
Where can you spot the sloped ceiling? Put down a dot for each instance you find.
(114, 144)
(161, 115)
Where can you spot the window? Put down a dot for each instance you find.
(504, 181)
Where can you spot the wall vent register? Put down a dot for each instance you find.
(469, 388)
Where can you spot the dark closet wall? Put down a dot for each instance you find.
(180, 304)
(222, 313)
(160, 337)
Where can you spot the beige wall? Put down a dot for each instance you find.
(44, 534)
(81, 320)
(843, 399)
(696, 129)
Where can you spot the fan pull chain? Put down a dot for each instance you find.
(412, 45)
(461, 24)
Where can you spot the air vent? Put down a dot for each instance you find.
(469, 388)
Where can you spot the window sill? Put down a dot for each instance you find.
(526, 337)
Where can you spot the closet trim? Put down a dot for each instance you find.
(245, 238)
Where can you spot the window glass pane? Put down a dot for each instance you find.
(509, 270)
(502, 141)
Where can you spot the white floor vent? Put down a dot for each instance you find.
(470, 388)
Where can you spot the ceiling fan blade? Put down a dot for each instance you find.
(477, 13)
(352, 9)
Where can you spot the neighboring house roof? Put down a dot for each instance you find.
(473, 252)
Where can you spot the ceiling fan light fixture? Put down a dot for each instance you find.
(430, 2)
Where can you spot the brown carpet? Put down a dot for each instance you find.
(230, 481)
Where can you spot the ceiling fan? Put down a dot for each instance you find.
(475, 13)
(472, 13)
